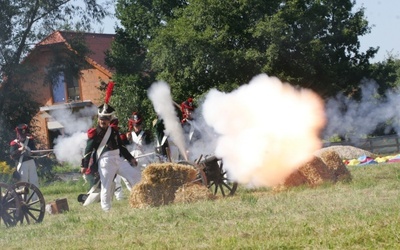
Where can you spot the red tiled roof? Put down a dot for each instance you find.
(98, 44)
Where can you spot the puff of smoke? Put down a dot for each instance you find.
(75, 122)
(205, 145)
(70, 146)
(70, 149)
(160, 95)
(266, 129)
(354, 119)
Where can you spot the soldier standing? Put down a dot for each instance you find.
(20, 151)
(188, 123)
(105, 145)
(138, 138)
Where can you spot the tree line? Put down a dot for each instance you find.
(198, 45)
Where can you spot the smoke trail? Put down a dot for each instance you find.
(160, 95)
(266, 129)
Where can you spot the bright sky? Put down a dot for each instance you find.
(383, 17)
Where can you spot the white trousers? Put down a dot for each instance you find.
(28, 172)
(111, 164)
(119, 194)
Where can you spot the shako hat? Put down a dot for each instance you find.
(22, 130)
(21, 127)
(105, 111)
(136, 118)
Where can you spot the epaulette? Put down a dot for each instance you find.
(114, 126)
(13, 142)
(123, 137)
(91, 133)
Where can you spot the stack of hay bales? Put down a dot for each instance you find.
(335, 164)
(329, 167)
(159, 183)
(193, 192)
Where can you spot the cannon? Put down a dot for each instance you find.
(212, 174)
(21, 202)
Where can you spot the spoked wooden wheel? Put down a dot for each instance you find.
(201, 176)
(32, 202)
(217, 177)
(10, 209)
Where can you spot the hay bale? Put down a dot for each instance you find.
(192, 192)
(335, 164)
(159, 184)
(316, 172)
(295, 179)
(169, 172)
(148, 195)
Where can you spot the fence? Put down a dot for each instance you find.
(379, 145)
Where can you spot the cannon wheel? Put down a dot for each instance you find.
(219, 181)
(10, 208)
(217, 177)
(32, 202)
(201, 176)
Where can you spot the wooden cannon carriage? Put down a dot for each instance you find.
(213, 175)
(21, 202)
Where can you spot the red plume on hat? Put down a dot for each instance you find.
(105, 109)
(188, 104)
(109, 91)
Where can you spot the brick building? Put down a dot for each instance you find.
(65, 91)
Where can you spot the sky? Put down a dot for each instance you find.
(383, 17)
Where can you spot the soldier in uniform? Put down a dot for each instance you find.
(139, 139)
(105, 145)
(188, 123)
(20, 151)
(161, 140)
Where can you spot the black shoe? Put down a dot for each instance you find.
(82, 198)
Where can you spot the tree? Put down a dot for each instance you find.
(23, 23)
(309, 43)
(140, 21)
(386, 74)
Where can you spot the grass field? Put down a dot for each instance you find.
(363, 214)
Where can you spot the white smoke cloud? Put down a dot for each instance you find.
(206, 144)
(70, 146)
(70, 149)
(266, 129)
(354, 119)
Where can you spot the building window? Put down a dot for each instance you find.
(65, 88)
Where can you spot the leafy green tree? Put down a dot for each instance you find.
(140, 21)
(23, 23)
(386, 74)
(223, 44)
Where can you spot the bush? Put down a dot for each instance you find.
(6, 172)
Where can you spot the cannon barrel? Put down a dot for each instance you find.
(42, 151)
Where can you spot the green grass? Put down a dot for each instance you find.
(363, 214)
